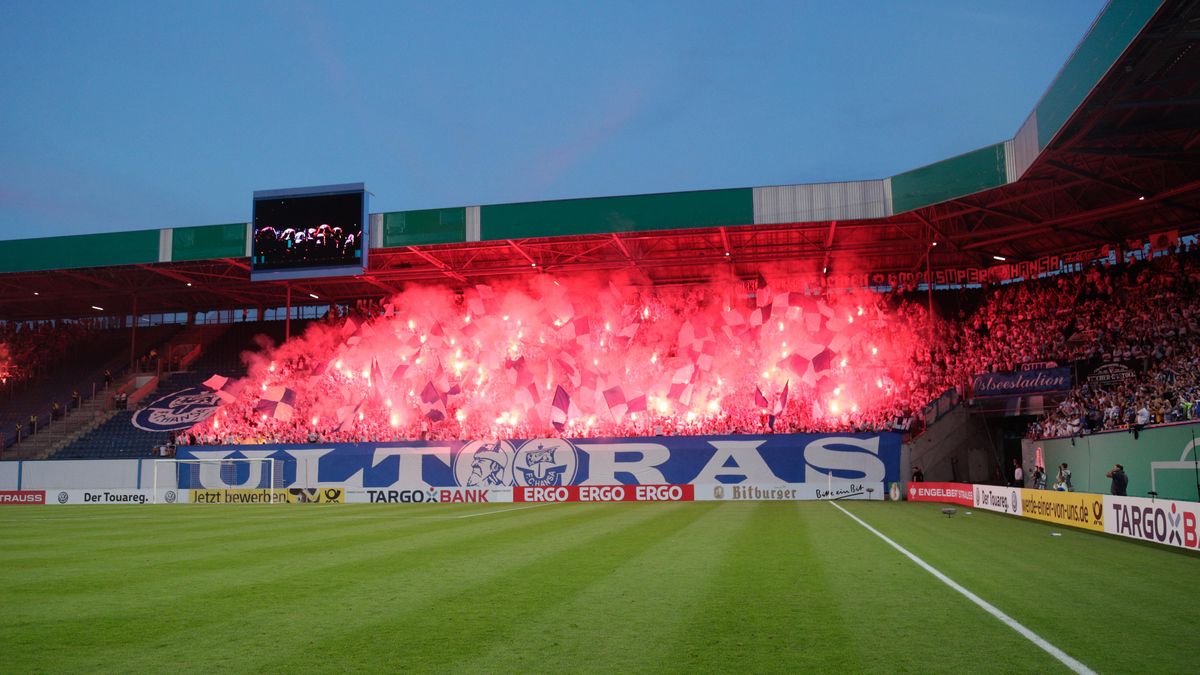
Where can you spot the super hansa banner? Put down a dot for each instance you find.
(818, 459)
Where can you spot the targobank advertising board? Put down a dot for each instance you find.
(1161, 521)
(814, 465)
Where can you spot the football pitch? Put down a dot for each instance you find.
(647, 587)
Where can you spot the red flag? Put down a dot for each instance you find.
(561, 408)
(376, 378)
(432, 403)
(708, 352)
(575, 329)
(347, 414)
(760, 399)
(781, 404)
(684, 375)
(399, 372)
(617, 404)
(795, 363)
(636, 404)
(681, 393)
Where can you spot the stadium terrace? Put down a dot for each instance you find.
(741, 429)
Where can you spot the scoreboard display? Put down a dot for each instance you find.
(309, 232)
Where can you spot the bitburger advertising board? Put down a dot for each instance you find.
(834, 490)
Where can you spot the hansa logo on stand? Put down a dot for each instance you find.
(170, 497)
(179, 410)
(63, 497)
(545, 462)
(484, 464)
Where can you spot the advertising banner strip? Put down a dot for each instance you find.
(20, 497)
(326, 495)
(1160, 521)
(430, 496)
(998, 499)
(759, 492)
(113, 496)
(1075, 509)
(949, 493)
(605, 493)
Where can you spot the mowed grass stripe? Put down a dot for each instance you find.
(1114, 604)
(808, 590)
(1066, 660)
(71, 622)
(456, 617)
(755, 586)
(759, 613)
(633, 604)
(226, 539)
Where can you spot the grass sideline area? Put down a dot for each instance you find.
(649, 587)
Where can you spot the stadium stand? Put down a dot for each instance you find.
(117, 437)
(72, 362)
(1143, 314)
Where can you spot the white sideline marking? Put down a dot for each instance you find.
(488, 513)
(1012, 623)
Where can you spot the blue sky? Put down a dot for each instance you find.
(131, 115)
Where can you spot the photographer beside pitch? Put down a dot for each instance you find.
(1120, 481)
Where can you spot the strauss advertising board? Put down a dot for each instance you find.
(793, 466)
(950, 493)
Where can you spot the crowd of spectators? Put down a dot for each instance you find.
(1141, 319)
(888, 402)
(1144, 316)
(1135, 344)
(30, 350)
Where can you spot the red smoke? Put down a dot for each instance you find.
(495, 356)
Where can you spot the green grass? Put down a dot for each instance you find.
(702, 587)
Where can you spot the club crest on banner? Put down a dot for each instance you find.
(545, 462)
(178, 410)
(484, 464)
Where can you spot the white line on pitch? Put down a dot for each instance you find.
(1012, 623)
(516, 508)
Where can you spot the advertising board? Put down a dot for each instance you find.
(22, 497)
(1075, 509)
(605, 493)
(112, 496)
(950, 493)
(1156, 520)
(324, 495)
(429, 496)
(998, 499)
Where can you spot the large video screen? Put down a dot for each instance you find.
(309, 232)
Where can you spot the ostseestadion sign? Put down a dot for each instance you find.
(1020, 384)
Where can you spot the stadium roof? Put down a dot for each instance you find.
(1110, 154)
